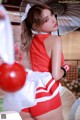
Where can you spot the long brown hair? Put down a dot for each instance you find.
(33, 17)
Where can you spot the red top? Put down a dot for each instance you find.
(39, 57)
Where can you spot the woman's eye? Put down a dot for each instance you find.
(46, 20)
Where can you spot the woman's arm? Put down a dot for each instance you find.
(53, 47)
(56, 57)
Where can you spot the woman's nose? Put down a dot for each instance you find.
(53, 19)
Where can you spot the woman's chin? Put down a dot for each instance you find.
(55, 30)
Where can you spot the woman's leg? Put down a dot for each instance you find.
(47, 110)
(52, 115)
(26, 116)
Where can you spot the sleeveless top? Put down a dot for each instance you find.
(39, 57)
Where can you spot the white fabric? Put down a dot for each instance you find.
(10, 115)
(25, 97)
(26, 12)
(6, 38)
(36, 32)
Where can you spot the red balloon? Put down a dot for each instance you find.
(12, 77)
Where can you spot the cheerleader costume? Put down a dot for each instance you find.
(47, 95)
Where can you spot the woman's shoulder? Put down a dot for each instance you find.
(51, 43)
(53, 39)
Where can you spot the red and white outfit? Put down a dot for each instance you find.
(40, 93)
(39, 88)
(47, 93)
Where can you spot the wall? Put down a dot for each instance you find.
(15, 17)
(71, 45)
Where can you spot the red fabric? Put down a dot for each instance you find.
(50, 104)
(39, 57)
(48, 93)
(41, 62)
(44, 107)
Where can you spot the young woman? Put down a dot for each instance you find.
(45, 55)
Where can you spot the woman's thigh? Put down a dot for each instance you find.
(47, 110)
(26, 116)
(52, 115)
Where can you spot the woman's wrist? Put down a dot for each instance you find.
(64, 75)
(65, 69)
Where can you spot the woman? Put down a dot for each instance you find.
(45, 56)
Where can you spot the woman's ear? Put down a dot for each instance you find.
(38, 29)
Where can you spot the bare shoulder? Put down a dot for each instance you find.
(51, 43)
(52, 40)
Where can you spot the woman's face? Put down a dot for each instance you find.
(49, 22)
